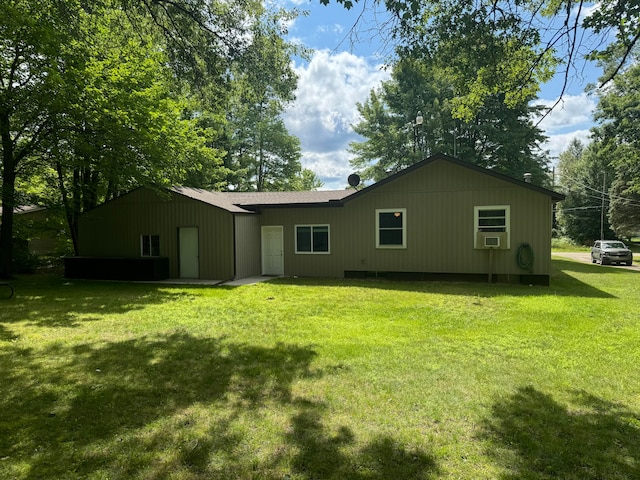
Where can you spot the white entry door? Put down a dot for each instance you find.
(272, 250)
(189, 256)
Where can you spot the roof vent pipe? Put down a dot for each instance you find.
(527, 177)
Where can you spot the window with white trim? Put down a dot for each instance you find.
(391, 228)
(492, 218)
(312, 239)
(150, 245)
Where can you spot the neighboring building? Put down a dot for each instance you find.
(441, 218)
(32, 227)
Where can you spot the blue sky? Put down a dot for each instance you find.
(343, 69)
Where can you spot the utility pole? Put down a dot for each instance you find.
(604, 186)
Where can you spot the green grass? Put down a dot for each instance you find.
(323, 379)
(564, 244)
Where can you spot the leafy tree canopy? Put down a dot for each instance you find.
(617, 138)
(532, 40)
(584, 175)
(261, 154)
(99, 97)
(126, 119)
(498, 137)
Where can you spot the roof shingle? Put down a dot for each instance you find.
(247, 202)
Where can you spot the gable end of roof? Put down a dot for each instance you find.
(471, 166)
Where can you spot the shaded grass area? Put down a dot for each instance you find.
(315, 379)
(548, 439)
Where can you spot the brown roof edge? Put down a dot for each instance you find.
(327, 204)
(26, 209)
(252, 202)
(249, 202)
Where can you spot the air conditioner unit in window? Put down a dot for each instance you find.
(491, 242)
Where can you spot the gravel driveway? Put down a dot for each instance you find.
(586, 258)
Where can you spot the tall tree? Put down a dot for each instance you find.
(497, 137)
(624, 205)
(70, 97)
(585, 177)
(200, 37)
(125, 123)
(486, 53)
(31, 82)
(261, 154)
(391, 140)
(617, 138)
(306, 181)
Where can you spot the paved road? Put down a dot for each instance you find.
(586, 258)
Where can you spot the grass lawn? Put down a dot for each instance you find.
(323, 379)
(565, 245)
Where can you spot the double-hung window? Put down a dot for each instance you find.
(391, 228)
(150, 245)
(312, 239)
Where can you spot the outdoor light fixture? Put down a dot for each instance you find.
(419, 118)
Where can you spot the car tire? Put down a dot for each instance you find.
(593, 260)
(629, 263)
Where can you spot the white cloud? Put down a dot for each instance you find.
(285, 3)
(571, 118)
(585, 11)
(332, 167)
(329, 87)
(560, 142)
(336, 28)
(573, 111)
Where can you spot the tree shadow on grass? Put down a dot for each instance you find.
(172, 406)
(562, 284)
(6, 335)
(320, 454)
(92, 394)
(583, 267)
(537, 438)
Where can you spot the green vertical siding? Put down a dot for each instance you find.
(114, 229)
(440, 200)
(247, 245)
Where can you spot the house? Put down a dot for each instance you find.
(34, 229)
(442, 218)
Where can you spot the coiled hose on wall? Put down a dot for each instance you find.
(524, 256)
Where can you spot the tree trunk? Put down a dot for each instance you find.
(68, 209)
(8, 198)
